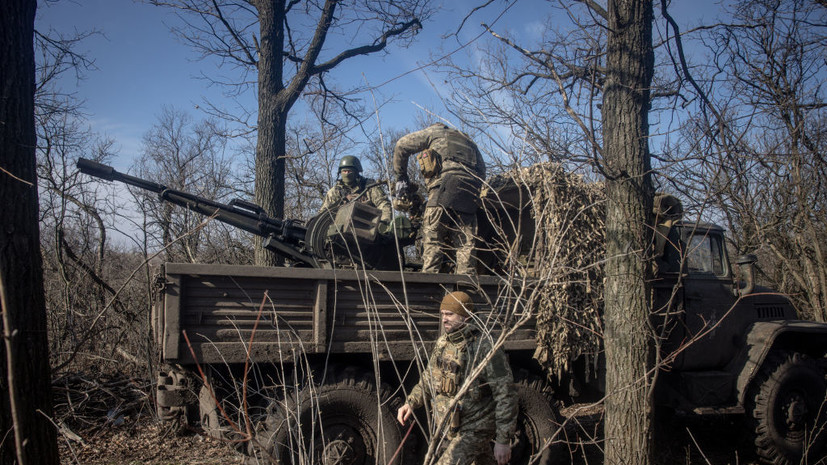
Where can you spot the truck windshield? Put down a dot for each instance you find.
(705, 255)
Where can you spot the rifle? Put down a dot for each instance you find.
(284, 237)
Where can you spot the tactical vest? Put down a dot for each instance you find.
(449, 369)
(457, 187)
(452, 366)
(459, 148)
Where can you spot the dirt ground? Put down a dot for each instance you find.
(145, 441)
(109, 419)
(141, 440)
(681, 440)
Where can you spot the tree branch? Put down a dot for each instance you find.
(595, 7)
(231, 30)
(378, 45)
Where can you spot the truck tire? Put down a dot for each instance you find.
(340, 422)
(538, 422)
(785, 405)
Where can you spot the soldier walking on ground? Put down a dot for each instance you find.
(352, 185)
(453, 169)
(488, 409)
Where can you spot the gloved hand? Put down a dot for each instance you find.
(384, 228)
(402, 205)
(401, 188)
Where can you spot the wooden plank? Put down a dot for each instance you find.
(218, 305)
(172, 309)
(247, 271)
(320, 322)
(233, 352)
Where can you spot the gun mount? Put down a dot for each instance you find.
(345, 237)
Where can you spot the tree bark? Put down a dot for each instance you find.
(271, 145)
(27, 436)
(628, 342)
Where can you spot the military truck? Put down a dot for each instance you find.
(308, 363)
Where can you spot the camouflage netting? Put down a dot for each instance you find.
(564, 248)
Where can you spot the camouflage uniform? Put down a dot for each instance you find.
(488, 410)
(453, 194)
(340, 193)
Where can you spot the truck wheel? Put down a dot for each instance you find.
(786, 405)
(538, 422)
(341, 422)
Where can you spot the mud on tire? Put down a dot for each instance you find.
(339, 422)
(786, 409)
(538, 422)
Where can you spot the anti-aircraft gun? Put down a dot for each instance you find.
(344, 237)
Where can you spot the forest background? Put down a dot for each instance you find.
(737, 132)
(737, 118)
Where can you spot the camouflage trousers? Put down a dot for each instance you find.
(467, 448)
(448, 236)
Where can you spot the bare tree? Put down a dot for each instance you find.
(25, 393)
(546, 95)
(628, 340)
(377, 158)
(96, 313)
(286, 59)
(587, 106)
(757, 143)
(188, 156)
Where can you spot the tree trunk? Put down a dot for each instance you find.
(628, 342)
(271, 145)
(27, 436)
(270, 171)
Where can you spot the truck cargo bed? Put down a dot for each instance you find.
(218, 308)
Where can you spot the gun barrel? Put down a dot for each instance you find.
(96, 169)
(284, 236)
(99, 170)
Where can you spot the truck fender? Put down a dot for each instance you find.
(807, 337)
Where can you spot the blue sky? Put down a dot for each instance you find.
(141, 66)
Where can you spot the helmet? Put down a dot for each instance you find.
(351, 162)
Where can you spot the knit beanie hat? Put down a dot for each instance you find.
(459, 303)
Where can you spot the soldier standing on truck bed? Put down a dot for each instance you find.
(487, 410)
(351, 185)
(454, 170)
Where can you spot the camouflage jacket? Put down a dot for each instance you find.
(375, 196)
(463, 167)
(490, 404)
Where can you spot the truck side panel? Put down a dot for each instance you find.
(219, 310)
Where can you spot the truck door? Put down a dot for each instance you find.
(711, 319)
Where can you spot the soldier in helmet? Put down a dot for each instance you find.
(352, 185)
(454, 170)
(488, 409)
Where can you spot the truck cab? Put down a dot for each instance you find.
(729, 346)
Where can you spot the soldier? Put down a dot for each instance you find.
(351, 185)
(487, 410)
(453, 169)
